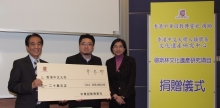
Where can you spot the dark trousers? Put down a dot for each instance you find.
(85, 103)
(43, 105)
(129, 103)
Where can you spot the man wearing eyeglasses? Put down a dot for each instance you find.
(86, 47)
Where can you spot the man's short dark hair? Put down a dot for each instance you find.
(33, 35)
(87, 36)
(123, 43)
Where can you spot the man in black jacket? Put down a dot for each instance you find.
(23, 81)
(86, 47)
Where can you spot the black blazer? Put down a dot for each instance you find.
(122, 82)
(20, 82)
(78, 59)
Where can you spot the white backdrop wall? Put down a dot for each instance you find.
(62, 16)
(55, 50)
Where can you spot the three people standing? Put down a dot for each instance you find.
(121, 74)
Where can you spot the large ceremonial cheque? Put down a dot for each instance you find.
(72, 82)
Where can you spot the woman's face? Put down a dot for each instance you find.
(118, 49)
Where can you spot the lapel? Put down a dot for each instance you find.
(80, 59)
(123, 63)
(113, 67)
(29, 66)
(41, 61)
(113, 62)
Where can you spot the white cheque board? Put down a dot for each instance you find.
(72, 82)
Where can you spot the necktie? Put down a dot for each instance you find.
(35, 69)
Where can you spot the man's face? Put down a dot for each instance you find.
(86, 46)
(35, 47)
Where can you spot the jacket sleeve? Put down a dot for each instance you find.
(110, 79)
(132, 78)
(15, 84)
(68, 60)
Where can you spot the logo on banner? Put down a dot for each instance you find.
(182, 14)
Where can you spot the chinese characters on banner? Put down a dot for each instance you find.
(181, 44)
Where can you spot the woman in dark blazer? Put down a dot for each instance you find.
(121, 75)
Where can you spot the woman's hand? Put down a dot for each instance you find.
(118, 99)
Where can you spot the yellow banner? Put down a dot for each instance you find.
(182, 55)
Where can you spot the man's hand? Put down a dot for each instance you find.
(37, 83)
(63, 101)
(79, 100)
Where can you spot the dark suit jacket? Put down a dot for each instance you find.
(122, 83)
(20, 82)
(78, 59)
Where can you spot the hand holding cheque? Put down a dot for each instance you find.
(72, 82)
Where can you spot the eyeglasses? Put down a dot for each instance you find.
(118, 47)
(86, 44)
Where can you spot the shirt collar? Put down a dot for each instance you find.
(87, 59)
(33, 60)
